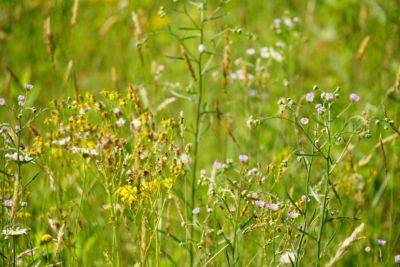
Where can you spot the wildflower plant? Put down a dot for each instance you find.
(134, 158)
(326, 136)
(243, 192)
(21, 148)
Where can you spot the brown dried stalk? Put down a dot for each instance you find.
(362, 48)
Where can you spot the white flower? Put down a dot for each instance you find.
(120, 122)
(252, 172)
(250, 121)
(328, 96)
(2, 101)
(196, 211)
(20, 157)
(251, 51)
(116, 111)
(201, 48)
(264, 52)
(293, 214)
(14, 232)
(185, 158)
(304, 198)
(84, 151)
(304, 121)
(277, 23)
(62, 142)
(272, 206)
(288, 23)
(320, 108)
(287, 258)
(276, 55)
(219, 165)
(243, 158)
(136, 124)
(28, 87)
(21, 100)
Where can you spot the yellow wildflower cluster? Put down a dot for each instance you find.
(130, 195)
(122, 140)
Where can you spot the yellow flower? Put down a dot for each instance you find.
(128, 194)
(46, 238)
(168, 183)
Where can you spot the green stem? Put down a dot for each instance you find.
(116, 246)
(235, 238)
(326, 187)
(197, 137)
(301, 242)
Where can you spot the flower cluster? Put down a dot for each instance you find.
(135, 156)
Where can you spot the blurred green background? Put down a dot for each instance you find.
(98, 50)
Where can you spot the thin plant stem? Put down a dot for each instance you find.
(326, 187)
(116, 246)
(197, 135)
(302, 238)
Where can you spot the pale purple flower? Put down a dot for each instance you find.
(21, 100)
(328, 97)
(28, 87)
(218, 165)
(243, 158)
(397, 259)
(3, 129)
(259, 203)
(196, 211)
(8, 203)
(304, 198)
(293, 214)
(276, 55)
(354, 97)
(310, 97)
(288, 23)
(320, 108)
(2, 101)
(120, 122)
(252, 172)
(304, 121)
(271, 206)
(185, 158)
(381, 242)
(277, 22)
(116, 111)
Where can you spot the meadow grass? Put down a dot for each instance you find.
(199, 133)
